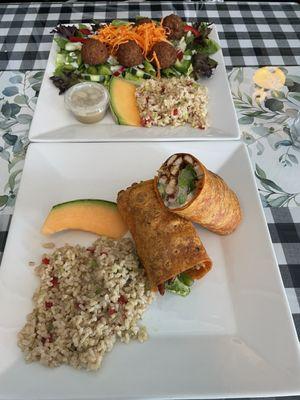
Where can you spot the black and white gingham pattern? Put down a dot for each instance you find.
(284, 227)
(252, 34)
(4, 227)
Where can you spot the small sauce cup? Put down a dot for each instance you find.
(88, 101)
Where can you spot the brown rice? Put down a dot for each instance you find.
(88, 298)
(172, 101)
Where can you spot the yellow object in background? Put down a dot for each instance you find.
(269, 78)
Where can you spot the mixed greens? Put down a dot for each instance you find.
(187, 179)
(180, 285)
(69, 68)
(193, 57)
(194, 44)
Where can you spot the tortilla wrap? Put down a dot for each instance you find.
(165, 243)
(213, 205)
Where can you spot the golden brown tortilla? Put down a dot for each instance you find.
(214, 206)
(166, 243)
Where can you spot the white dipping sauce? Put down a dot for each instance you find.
(88, 101)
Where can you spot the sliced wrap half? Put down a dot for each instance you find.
(187, 188)
(166, 244)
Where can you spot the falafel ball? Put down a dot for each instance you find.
(94, 52)
(129, 54)
(175, 24)
(143, 20)
(166, 54)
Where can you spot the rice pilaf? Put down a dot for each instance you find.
(88, 299)
(172, 101)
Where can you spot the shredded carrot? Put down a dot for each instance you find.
(146, 41)
(151, 34)
(144, 35)
(116, 35)
(157, 64)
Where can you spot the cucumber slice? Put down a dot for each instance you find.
(115, 68)
(74, 64)
(96, 78)
(149, 69)
(182, 44)
(112, 60)
(70, 46)
(169, 72)
(104, 69)
(130, 77)
(139, 73)
(93, 78)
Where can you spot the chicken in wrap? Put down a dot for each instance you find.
(168, 246)
(187, 188)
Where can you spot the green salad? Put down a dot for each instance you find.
(190, 53)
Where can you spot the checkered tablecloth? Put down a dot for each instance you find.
(284, 228)
(251, 33)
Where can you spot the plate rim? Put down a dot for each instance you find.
(291, 328)
(36, 137)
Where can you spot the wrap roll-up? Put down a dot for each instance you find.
(187, 188)
(166, 244)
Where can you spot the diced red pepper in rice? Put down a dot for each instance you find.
(122, 300)
(48, 304)
(111, 311)
(54, 281)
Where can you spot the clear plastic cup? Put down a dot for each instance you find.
(88, 101)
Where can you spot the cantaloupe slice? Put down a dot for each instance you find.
(91, 215)
(123, 102)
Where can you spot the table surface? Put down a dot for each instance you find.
(251, 34)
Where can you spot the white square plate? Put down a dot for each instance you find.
(53, 123)
(233, 336)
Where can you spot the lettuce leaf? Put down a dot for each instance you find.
(176, 286)
(203, 65)
(208, 47)
(61, 42)
(187, 177)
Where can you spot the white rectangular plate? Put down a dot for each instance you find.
(53, 123)
(233, 336)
